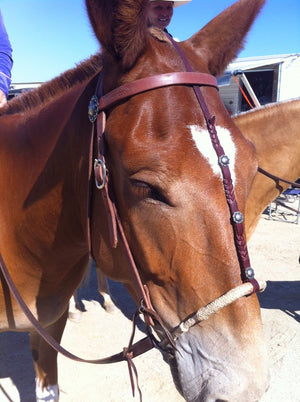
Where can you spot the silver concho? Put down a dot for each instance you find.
(93, 110)
(238, 217)
(224, 160)
(249, 273)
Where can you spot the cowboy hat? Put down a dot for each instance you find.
(177, 3)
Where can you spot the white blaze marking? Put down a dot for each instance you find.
(204, 145)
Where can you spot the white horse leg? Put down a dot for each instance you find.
(47, 394)
(104, 291)
(73, 313)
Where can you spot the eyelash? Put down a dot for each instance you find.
(146, 190)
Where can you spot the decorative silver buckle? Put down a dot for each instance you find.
(238, 217)
(249, 273)
(93, 109)
(224, 160)
(100, 162)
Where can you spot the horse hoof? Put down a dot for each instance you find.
(47, 394)
(109, 307)
(74, 316)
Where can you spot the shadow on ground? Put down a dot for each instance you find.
(282, 295)
(16, 364)
(122, 299)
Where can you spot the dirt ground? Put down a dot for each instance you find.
(274, 249)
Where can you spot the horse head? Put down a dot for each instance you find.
(169, 194)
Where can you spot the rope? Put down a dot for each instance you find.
(205, 312)
(243, 92)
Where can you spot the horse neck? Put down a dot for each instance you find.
(274, 130)
(50, 144)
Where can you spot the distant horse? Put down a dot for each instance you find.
(275, 132)
(165, 178)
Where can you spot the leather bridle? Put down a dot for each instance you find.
(97, 113)
(99, 104)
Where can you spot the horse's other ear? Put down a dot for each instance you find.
(120, 26)
(220, 41)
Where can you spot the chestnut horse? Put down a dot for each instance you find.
(168, 190)
(274, 130)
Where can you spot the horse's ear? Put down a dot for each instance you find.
(120, 26)
(220, 41)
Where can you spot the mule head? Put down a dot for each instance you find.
(170, 197)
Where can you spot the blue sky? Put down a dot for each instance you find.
(51, 36)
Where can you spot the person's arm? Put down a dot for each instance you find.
(5, 62)
(3, 99)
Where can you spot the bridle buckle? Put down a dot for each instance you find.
(103, 175)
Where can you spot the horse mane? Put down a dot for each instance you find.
(55, 87)
(265, 110)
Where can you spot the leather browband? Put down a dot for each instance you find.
(154, 82)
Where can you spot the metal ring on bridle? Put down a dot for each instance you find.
(100, 162)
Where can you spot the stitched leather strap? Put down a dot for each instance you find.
(247, 273)
(157, 81)
(114, 222)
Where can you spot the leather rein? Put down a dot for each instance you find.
(277, 179)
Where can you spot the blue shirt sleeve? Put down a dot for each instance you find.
(5, 58)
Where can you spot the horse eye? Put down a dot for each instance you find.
(145, 190)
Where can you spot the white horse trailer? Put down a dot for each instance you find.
(263, 79)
